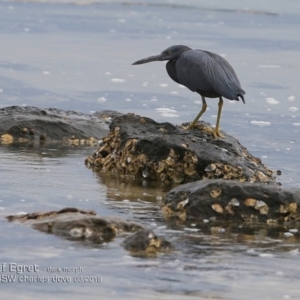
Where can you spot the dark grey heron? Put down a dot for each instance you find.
(206, 73)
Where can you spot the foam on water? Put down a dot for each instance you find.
(169, 115)
(102, 100)
(260, 123)
(119, 80)
(272, 101)
(165, 110)
(293, 108)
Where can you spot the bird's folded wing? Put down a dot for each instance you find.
(208, 72)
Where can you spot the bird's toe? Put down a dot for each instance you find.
(216, 133)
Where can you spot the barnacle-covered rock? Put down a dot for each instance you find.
(146, 242)
(74, 223)
(85, 225)
(32, 124)
(228, 200)
(170, 154)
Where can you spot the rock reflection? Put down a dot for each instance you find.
(218, 236)
(122, 189)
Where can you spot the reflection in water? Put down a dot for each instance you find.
(139, 200)
(121, 189)
(254, 238)
(41, 150)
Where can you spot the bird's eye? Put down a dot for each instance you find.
(169, 52)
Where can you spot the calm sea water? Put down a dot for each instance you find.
(77, 55)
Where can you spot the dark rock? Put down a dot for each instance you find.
(144, 149)
(85, 225)
(226, 200)
(107, 115)
(77, 224)
(145, 241)
(39, 215)
(24, 124)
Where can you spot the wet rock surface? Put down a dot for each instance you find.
(146, 241)
(141, 148)
(28, 123)
(224, 200)
(85, 225)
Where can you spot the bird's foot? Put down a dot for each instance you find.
(199, 126)
(215, 132)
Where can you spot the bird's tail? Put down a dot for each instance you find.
(242, 96)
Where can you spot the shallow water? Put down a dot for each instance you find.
(70, 56)
(235, 263)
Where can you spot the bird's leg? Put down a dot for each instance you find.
(202, 111)
(216, 132)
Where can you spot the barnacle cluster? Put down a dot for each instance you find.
(215, 203)
(287, 212)
(25, 135)
(178, 169)
(91, 141)
(123, 159)
(6, 138)
(227, 171)
(146, 241)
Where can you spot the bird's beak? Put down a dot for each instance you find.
(149, 59)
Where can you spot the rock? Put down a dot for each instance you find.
(225, 200)
(145, 241)
(107, 115)
(23, 217)
(74, 223)
(28, 123)
(85, 225)
(141, 148)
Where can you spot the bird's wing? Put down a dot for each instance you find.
(208, 72)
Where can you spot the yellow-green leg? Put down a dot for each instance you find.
(216, 131)
(202, 111)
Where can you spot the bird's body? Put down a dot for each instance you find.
(211, 77)
(206, 73)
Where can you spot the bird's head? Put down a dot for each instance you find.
(171, 53)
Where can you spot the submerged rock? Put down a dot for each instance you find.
(144, 149)
(28, 123)
(218, 200)
(76, 224)
(146, 241)
(85, 225)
